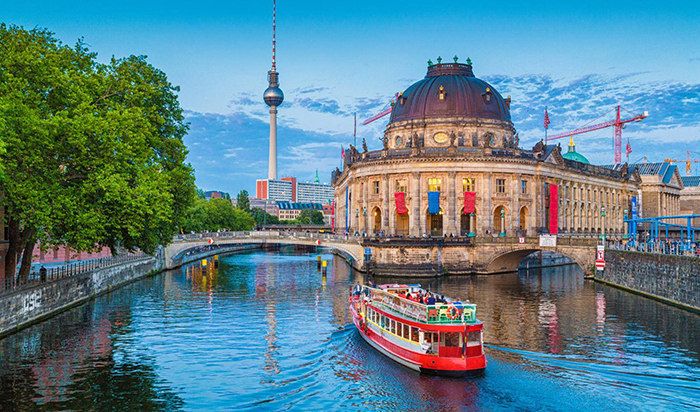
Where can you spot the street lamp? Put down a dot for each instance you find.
(471, 225)
(602, 216)
(503, 222)
(627, 234)
(357, 219)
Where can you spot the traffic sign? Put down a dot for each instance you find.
(600, 264)
(600, 253)
(521, 240)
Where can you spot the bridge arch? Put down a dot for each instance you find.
(509, 261)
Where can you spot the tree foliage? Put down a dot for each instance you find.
(263, 218)
(243, 201)
(93, 151)
(216, 214)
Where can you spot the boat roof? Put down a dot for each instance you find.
(398, 286)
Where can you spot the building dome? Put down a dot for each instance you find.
(573, 155)
(450, 90)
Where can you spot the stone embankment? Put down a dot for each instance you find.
(668, 278)
(23, 307)
(28, 305)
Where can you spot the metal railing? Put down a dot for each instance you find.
(53, 274)
(675, 248)
(438, 313)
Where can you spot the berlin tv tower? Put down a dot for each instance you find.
(273, 97)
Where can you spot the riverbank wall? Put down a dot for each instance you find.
(24, 307)
(671, 279)
(27, 306)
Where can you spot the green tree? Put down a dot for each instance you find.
(316, 217)
(309, 217)
(200, 193)
(94, 153)
(242, 200)
(262, 217)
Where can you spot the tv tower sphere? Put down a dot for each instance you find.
(273, 96)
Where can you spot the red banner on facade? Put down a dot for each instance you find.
(401, 203)
(469, 202)
(553, 209)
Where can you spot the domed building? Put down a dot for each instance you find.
(451, 165)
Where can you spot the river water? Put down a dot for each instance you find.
(266, 331)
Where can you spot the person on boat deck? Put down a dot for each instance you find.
(408, 296)
(357, 289)
(430, 300)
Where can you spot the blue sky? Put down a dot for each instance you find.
(335, 58)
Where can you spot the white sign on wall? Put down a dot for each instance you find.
(548, 240)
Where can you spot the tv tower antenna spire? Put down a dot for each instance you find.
(273, 97)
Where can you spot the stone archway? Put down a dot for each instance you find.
(510, 261)
(499, 220)
(376, 220)
(466, 220)
(524, 223)
(401, 227)
(434, 224)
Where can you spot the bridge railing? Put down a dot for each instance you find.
(675, 248)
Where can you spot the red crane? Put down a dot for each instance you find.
(618, 123)
(385, 111)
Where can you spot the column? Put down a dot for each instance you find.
(485, 216)
(422, 218)
(515, 189)
(414, 217)
(386, 205)
(449, 219)
(365, 212)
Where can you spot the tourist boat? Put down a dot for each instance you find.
(441, 338)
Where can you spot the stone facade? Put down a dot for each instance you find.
(445, 150)
(690, 198)
(675, 279)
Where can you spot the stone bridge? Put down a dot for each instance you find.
(189, 248)
(393, 256)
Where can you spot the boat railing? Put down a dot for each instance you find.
(441, 313)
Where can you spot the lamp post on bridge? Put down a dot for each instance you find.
(471, 225)
(357, 219)
(602, 218)
(503, 223)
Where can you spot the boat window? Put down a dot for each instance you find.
(406, 332)
(451, 339)
(474, 338)
(414, 334)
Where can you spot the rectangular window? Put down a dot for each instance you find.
(469, 184)
(500, 185)
(414, 334)
(523, 187)
(401, 186)
(451, 339)
(406, 332)
(434, 184)
(375, 187)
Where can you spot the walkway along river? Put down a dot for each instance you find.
(266, 331)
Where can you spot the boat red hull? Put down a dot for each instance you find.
(420, 362)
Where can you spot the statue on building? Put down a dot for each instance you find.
(409, 141)
(364, 145)
(453, 139)
(539, 147)
(385, 142)
(516, 140)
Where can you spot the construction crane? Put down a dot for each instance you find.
(385, 111)
(618, 123)
(688, 161)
